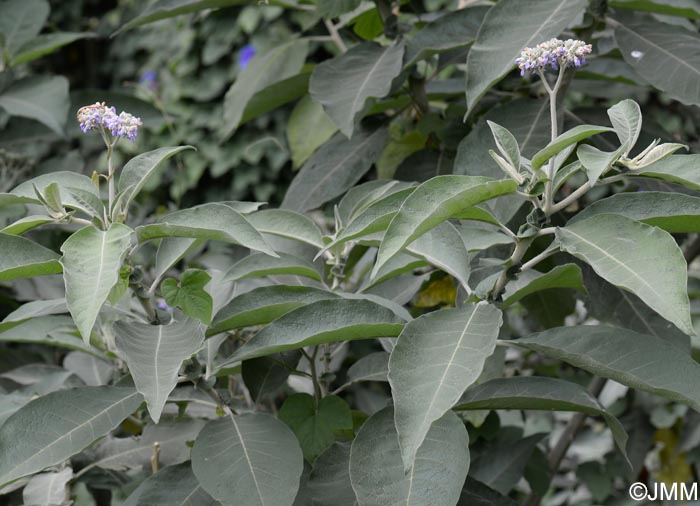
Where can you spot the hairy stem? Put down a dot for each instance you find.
(521, 247)
(552, 92)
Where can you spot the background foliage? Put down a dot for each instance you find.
(332, 112)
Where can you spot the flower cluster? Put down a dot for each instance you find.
(99, 115)
(555, 53)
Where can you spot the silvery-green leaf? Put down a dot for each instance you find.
(506, 143)
(563, 141)
(263, 305)
(252, 459)
(334, 169)
(308, 128)
(626, 118)
(280, 62)
(47, 489)
(526, 24)
(329, 481)
(52, 330)
(24, 224)
(259, 265)
(154, 354)
(35, 309)
(640, 258)
(44, 44)
(91, 262)
(215, 222)
(372, 367)
(137, 171)
(344, 83)
(561, 276)
(633, 359)
(78, 417)
(436, 357)
(41, 98)
(597, 162)
(433, 202)
(539, 393)
(171, 486)
(320, 322)
(21, 21)
(377, 472)
(22, 258)
(287, 224)
(92, 370)
(657, 153)
(171, 250)
(664, 55)
(681, 169)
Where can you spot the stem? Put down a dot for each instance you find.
(581, 191)
(551, 250)
(567, 437)
(318, 390)
(552, 92)
(335, 36)
(521, 247)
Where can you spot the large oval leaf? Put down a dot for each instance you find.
(137, 171)
(433, 202)
(344, 83)
(642, 259)
(540, 393)
(334, 168)
(324, 321)
(680, 169)
(633, 359)
(429, 369)
(76, 418)
(528, 282)
(91, 262)
(154, 354)
(665, 55)
(287, 224)
(377, 472)
(252, 459)
(526, 24)
(259, 265)
(215, 222)
(673, 212)
(565, 140)
(263, 305)
(22, 258)
(171, 486)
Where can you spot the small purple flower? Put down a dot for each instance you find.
(149, 80)
(554, 53)
(99, 115)
(246, 54)
(162, 305)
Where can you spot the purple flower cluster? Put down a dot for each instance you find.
(554, 53)
(99, 115)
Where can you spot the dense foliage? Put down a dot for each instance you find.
(341, 252)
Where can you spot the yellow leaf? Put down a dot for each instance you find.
(442, 291)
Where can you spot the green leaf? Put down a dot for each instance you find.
(654, 269)
(450, 31)
(252, 459)
(315, 424)
(308, 129)
(626, 119)
(372, 367)
(528, 282)
(136, 172)
(361, 196)
(287, 224)
(259, 265)
(685, 8)
(171, 250)
(681, 169)
(673, 212)
(334, 8)
(92, 261)
(429, 370)
(189, 294)
(154, 354)
(49, 330)
(507, 144)
(22, 258)
(329, 481)
(475, 493)
(527, 24)
(265, 375)
(162, 9)
(41, 98)
(214, 222)
(171, 486)
(44, 44)
(279, 63)
(320, 322)
(597, 162)
(565, 140)
(433, 202)
(344, 83)
(633, 359)
(67, 182)
(539, 393)
(334, 168)
(20, 22)
(78, 417)
(47, 489)
(377, 473)
(664, 55)
(276, 95)
(263, 305)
